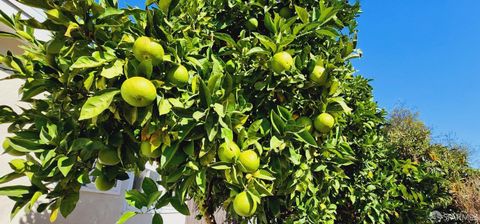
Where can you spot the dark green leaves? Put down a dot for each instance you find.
(125, 217)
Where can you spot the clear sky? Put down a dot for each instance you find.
(424, 55)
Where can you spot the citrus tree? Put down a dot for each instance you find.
(250, 106)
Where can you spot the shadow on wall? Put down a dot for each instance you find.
(36, 218)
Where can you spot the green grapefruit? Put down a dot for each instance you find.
(318, 75)
(108, 157)
(282, 61)
(324, 122)
(138, 91)
(285, 12)
(146, 150)
(102, 183)
(244, 205)
(178, 76)
(305, 122)
(252, 24)
(250, 161)
(145, 48)
(228, 153)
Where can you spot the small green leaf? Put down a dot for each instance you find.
(87, 62)
(164, 107)
(180, 206)
(149, 186)
(65, 164)
(302, 13)
(126, 216)
(97, 104)
(68, 204)
(14, 191)
(157, 219)
(113, 70)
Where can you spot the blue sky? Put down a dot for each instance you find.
(424, 55)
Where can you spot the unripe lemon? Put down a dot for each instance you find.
(108, 157)
(145, 48)
(252, 24)
(103, 184)
(285, 12)
(305, 122)
(282, 61)
(250, 161)
(178, 76)
(324, 122)
(318, 75)
(244, 205)
(146, 150)
(138, 91)
(228, 153)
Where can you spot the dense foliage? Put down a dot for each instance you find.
(251, 106)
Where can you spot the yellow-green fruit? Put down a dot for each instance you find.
(179, 76)
(324, 122)
(145, 48)
(138, 91)
(228, 153)
(108, 157)
(252, 24)
(244, 205)
(249, 161)
(103, 184)
(305, 122)
(9, 150)
(285, 12)
(318, 75)
(282, 61)
(146, 150)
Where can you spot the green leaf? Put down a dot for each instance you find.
(180, 206)
(342, 103)
(149, 186)
(269, 24)
(68, 204)
(257, 50)
(14, 191)
(87, 62)
(65, 164)
(9, 177)
(302, 13)
(266, 41)
(264, 175)
(221, 166)
(226, 37)
(7, 115)
(306, 137)
(113, 70)
(136, 198)
(164, 106)
(157, 219)
(97, 104)
(205, 96)
(126, 216)
(277, 122)
(110, 12)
